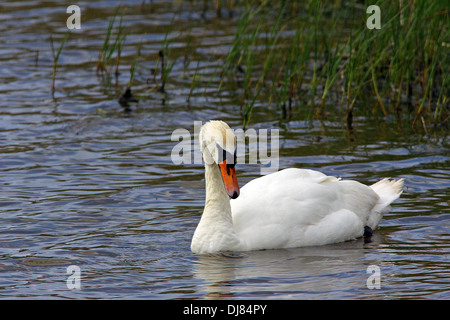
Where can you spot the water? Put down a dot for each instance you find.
(84, 183)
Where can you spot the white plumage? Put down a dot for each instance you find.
(289, 208)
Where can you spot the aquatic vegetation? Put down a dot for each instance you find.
(307, 59)
(56, 55)
(108, 48)
(327, 49)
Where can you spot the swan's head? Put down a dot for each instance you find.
(218, 145)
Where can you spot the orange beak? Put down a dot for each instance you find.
(229, 179)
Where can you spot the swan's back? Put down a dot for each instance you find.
(300, 207)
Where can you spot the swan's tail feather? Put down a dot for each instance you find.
(388, 190)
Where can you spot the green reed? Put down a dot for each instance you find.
(316, 58)
(111, 46)
(330, 56)
(56, 55)
(163, 58)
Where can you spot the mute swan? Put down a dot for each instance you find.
(285, 209)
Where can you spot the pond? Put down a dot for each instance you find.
(87, 183)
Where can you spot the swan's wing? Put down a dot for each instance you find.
(297, 207)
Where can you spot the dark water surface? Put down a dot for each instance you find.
(84, 183)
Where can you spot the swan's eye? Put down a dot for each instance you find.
(224, 155)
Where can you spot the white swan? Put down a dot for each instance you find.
(289, 208)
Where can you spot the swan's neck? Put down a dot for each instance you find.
(217, 199)
(215, 230)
